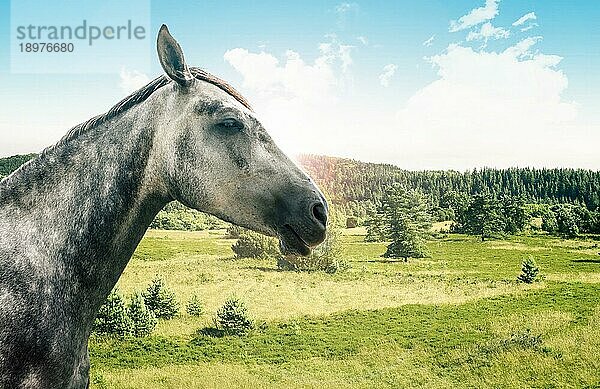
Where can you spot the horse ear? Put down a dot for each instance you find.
(171, 57)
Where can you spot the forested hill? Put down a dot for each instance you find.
(8, 165)
(352, 185)
(348, 181)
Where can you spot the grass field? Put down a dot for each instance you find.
(456, 319)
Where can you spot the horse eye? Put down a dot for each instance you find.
(231, 125)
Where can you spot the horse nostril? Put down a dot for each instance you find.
(319, 213)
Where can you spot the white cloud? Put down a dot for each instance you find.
(300, 101)
(363, 40)
(333, 50)
(524, 18)
(522, 48)
(263, 73)
(532, 25)
(490, 108)
(346, 7)
(429, 41)
(487, 32)
(388, 73)
(132, 80)
(476, 16)
(345, 57)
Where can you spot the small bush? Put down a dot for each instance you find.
(177, 217)
(160, 299)
(254, 245)
(194, 307)
(113, 318)
(232, 318)
(98, 380)
(143, 319)
(326, 257)
(351, 222)
(233, 232)
(521, 340)
(524, 340)
(529, 271)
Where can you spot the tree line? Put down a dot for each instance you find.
(485, 215)
(403, 218)
(355, 186)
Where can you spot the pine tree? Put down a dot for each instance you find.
(160, 299)
(194, 307)
(456, 202)
(529, 271)
(566, 220)
(513, 213)
(376, 229)
(407, 222)
(484, 217)
(143, 319)
(113, 318)
(549, 223)
(232, 318)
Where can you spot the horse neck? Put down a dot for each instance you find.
(88, 201)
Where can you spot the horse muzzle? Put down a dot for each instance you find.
(305, 228)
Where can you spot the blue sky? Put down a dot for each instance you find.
(454, 103)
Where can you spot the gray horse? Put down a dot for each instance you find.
(71, 218)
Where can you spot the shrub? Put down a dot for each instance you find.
(326, 257)
(175, 216)
(566, 220)
(529, 271)
(254, 245)
(232, 318)
(113, 318)
(351, 222)
(524, 340)
(143, 319)
(98, 380)
(194, 307)
(233, 232)
(160, 299)
(549, 223)
(521, 340)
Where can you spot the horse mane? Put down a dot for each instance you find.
(142, 94)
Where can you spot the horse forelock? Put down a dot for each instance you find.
(203, 75)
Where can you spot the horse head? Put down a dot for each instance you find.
(215, 156)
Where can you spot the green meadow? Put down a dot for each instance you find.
(458, 319)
